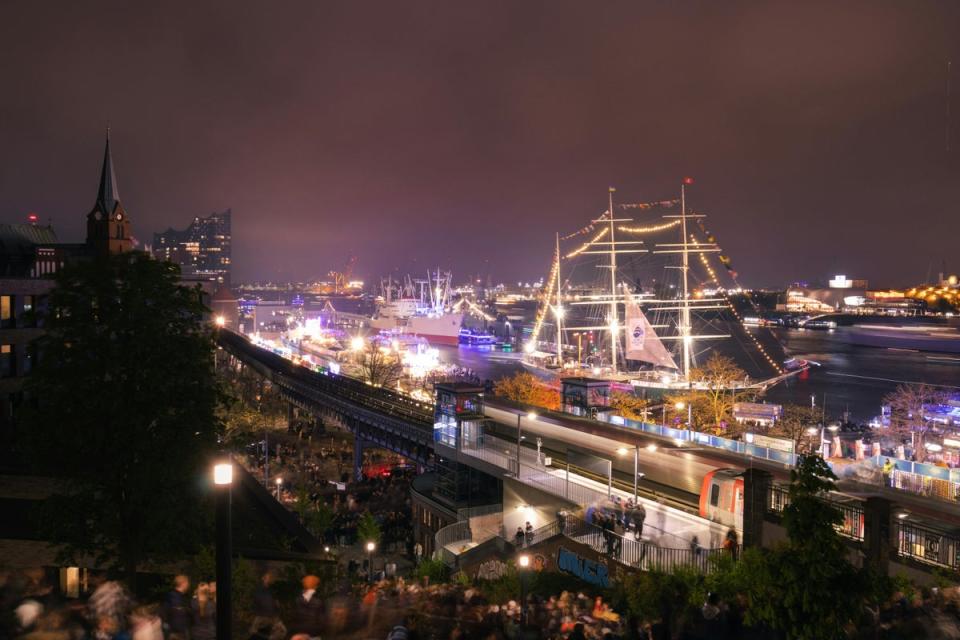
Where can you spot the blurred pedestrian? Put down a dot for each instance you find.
(176, 610)
(266, 610)
(203, 610)
(308, 609)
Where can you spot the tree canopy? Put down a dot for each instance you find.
(806, 588)
(526, 388)
(124, 410)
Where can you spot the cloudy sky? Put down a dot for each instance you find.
(464, 134)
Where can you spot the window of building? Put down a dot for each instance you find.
(714, 495)
(6, 311)
(8, 367)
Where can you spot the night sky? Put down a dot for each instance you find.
(464, 134)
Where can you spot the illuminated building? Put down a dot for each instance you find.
(202, 249)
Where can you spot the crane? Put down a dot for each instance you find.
(342, 278)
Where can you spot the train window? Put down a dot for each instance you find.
(714, 495)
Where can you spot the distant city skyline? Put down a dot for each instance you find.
(425, 134)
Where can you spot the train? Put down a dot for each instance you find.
(721, 497)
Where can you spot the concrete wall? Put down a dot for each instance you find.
(517, 509)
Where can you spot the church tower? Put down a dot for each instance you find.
(108, 229)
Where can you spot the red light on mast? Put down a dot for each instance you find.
(688, 180)
(33, 217)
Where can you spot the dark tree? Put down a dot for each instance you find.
(124, 411)
(806, 588)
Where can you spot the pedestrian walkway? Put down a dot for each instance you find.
(664, 526)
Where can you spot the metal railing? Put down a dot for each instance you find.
(458, 532)
(642, 554)
(852, 526)
(927, 545)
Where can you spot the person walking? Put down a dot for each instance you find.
(203, 609)
(308, 609)
(266, 610)
(176, 609)
(518, 537)
(528, 534)
(639, 515)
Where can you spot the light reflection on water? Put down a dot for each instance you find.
(853, 378)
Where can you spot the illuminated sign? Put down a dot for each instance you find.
(840, 282)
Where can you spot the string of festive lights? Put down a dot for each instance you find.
(545, 302)
(713, 276)
(586, 245)
(653, 228)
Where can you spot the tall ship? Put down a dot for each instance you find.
(650, 313)
(419, 307)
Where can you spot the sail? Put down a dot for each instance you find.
(642, 342)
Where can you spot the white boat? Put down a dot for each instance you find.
(424, 313)
(631, 349)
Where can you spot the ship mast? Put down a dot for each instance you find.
(614, 332)
(559, 311)
(685, 303)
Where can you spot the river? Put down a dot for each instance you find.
(848, 378)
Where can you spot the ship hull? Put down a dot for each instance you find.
(444, 329)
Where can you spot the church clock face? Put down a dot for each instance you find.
(119, 216)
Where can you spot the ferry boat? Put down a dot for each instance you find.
(419, 307)
(476, 337)
(939, 339)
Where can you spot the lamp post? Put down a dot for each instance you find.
(530, 416)
(523, 562)
(223, 481)
(371, 545)
(636, 469)
(279, 483)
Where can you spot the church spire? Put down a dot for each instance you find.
(107, 195)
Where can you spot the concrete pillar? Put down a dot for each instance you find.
(877, 533)
(357, 457)
(291, 416)
(756, 484)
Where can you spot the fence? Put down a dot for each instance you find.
(451, 534)
(641, 554)
(927, 545)
(852, 514)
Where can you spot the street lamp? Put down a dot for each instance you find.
(371, 545)
(220, 321)
(530, 416)
(636, 469)
(279, 483)
(223, 481)
(524, 563)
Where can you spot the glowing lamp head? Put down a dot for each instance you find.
(223, 473)
(679, 406)
(371, 546)
(531, 415)
(622, 451)
(279, 481)
(651, 448)
(357, 343)
(688, 180)
(528, 347)
(32, 217)
(524, 561)
(220, 321)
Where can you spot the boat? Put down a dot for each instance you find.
(939, 339)
(632, 349)
(475, 337)
(419, 307)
